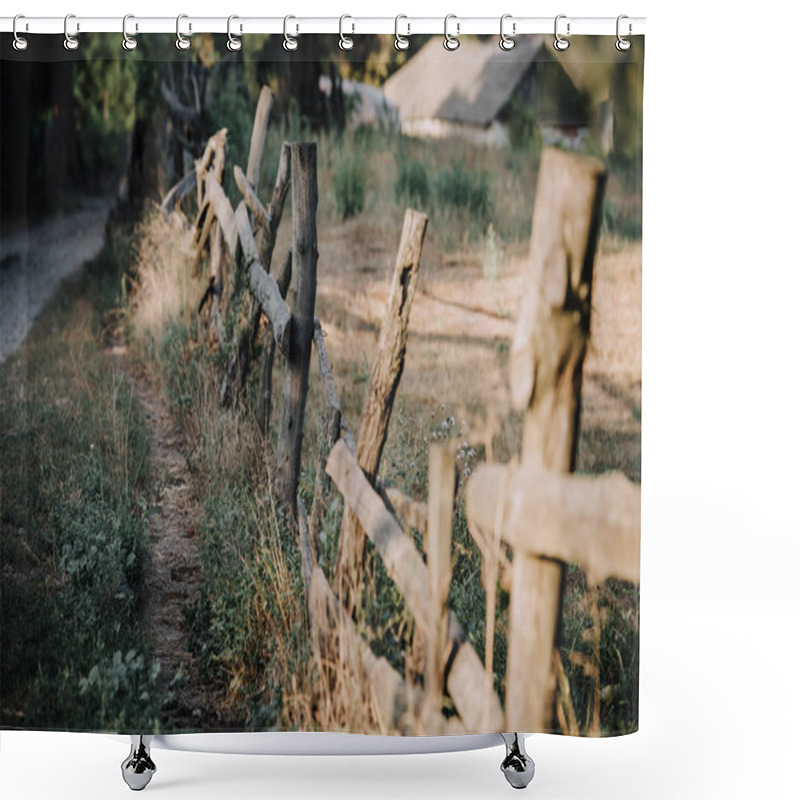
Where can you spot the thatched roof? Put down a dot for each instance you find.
(471, 84)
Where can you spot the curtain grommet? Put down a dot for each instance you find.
(182, 42)
(451, 43)
(20, 43)
(128, 42)
(622, 44)
(71, 43)
(290, 43)
(561, 43)
(345, 42)
(401, 43)
(234, 43)
(507, 42)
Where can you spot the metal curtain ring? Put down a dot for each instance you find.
(182, 43)
(128, 42)
(561, 43)
(623, 44)
(70, 42)
(289, 42)
(345, 42)
(401, 42)
(234, 44)
(507, 42)
(20, 42)
(451, 42)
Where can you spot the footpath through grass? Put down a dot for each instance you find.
(73, 532)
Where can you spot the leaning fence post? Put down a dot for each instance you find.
(546, 372)
(304, 272)
(383, 382)
(441, 497)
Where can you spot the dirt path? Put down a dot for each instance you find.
(171, 578)
(34, 261)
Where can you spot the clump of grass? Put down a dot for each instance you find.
(412, 186)
(349, 187)
(600, 630)
(73, 535)
(458, 189)
(164, 286)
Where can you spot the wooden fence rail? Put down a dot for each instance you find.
(465, 681)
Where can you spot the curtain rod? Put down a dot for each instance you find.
(351, 25)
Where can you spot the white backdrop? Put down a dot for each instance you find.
(720, 598)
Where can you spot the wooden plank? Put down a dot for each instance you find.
(275, 206)
(224, 213)
(263, 286)
(236, 375)
(546, 370)
(266, 291)
(384, 380)
(258, 136)
(403, 561)
(441, 497)
(264, 402)
(260, 216)
(246, 238)
(213, 159)
(304, 270)
(412, 512)
(465, 681)
(593, 522)
(202, 235)
(398, 704)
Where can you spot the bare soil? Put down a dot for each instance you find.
(171, 577)
(461, 326)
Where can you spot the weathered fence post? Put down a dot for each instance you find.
(546, 372)
(274, 210)
(304, 271)
(258, 136)
(441, 497)
(384, 380)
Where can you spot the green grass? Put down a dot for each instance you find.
(73, 535)
(248, 624)
(349, 187)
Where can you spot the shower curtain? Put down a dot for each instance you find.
(320, 385)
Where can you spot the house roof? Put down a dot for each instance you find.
(470, 84)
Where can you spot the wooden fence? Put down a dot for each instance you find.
(547, 517)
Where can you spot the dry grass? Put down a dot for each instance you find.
(165, 288)
(460, 331)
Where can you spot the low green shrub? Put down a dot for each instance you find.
(349, 187)
(456, 188)
(412, 186)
